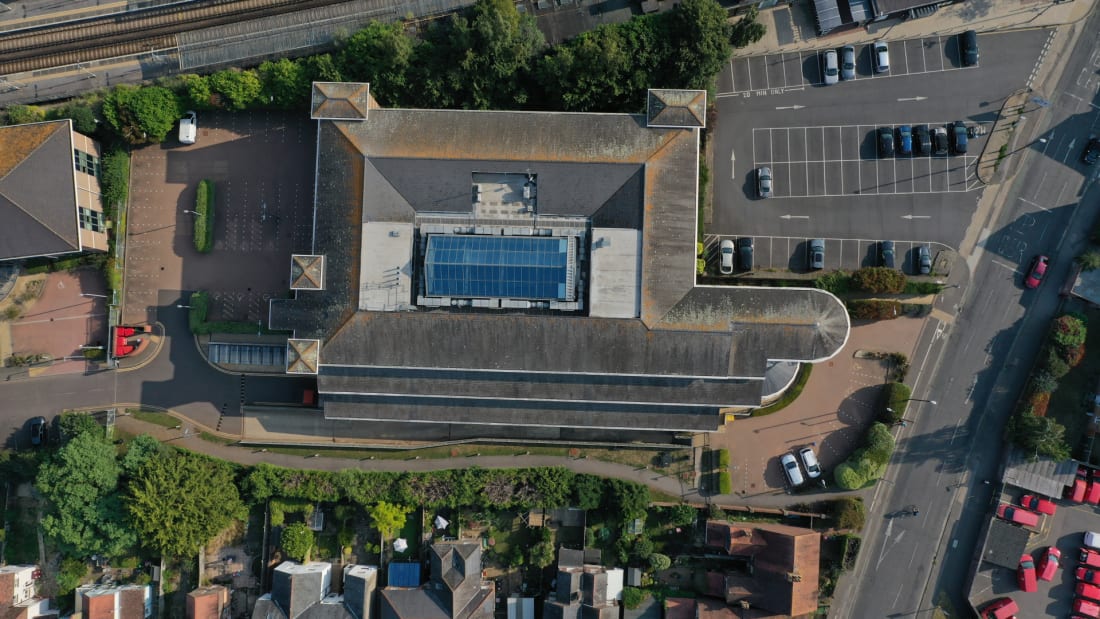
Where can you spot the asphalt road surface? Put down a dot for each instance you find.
(976, 367)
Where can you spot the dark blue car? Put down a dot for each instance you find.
(905, 140)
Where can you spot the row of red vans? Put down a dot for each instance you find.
(1083, 489)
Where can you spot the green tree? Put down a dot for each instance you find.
(297, 541)
(699, 36)
(141, 115)
(285, 83)
(139, 451)
(643, 547)
(542, 554)
(630, 499)
(85, 514)
(681, 515)
(1057, 366)
(1090, 260)
(388, 518)
(588, 491)
(1044, 382)
(71, 575)
(23, 114)
(75, 424)
(848, 477)
(180, 502)
(849, 512)
(747, 30)
(379, 54)
(633, 597)
(239, 89)
(1039, 436)
(197, 91)
(84, 120)
(879, 280)
(879, 443)
(322, 68)
(595, 71)
(658, 562)
(1068, 331)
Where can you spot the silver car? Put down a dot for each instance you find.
(764, 182)
(790, 468)
(830, 67)
(726, 249)
(847, 62)
(809, 460)
(817, 254)
(881, 56)
(924, 260)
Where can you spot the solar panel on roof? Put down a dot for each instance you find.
(466, 266)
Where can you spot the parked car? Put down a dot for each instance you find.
(1076, 491)
(1037, 503)
(809, 460)
(790, 468)
(922, 140)
(958, 137)
(764, 182)
(1018, 515)
(1086, 608)
(1089, 558)
(881, 54)
(1092, 539)
(847, 62)
(1036, 271)
(189, 128)
(1052, 557)
(1093, 494)
(726, 249)
(968, 48)
(1025, 574)
(1084, 574)
(905, 140)
(817, 254)
(1000, 608)
(886, 253)
(1085, 590)
(939, 141)
(1092, 152)
(885, 142)
(830, 67)
(38, 428)
(923, 259)
(744, 253)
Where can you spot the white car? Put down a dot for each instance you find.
(189, 128)
(790, 468)
(881, 55)
(830, 67)
(809, 460)
(726, 248)
(1092, 539)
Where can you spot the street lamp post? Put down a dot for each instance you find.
(195, 213)
(181, 306)
(92, 294)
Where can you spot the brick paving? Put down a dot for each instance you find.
(262, 166)
(833, 411)
(61, 321)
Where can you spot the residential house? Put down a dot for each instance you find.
(49, 191)
(455, 589)
(784, 564)
(114, 601)
(585, 591)
(207, 602)
(17, 594)
(305, 591)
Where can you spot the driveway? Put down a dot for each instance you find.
(60, 321)
(262, 166)
(834, 410)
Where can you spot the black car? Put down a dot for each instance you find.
(923, 259)
(38, 431)
(885, 142)
(744, 253)
(886, 253)
(958, 138)
(939, 141)
(1092, 152)
(968, 48)
(922, 140)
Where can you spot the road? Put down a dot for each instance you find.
(977, 365)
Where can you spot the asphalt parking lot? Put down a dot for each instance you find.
(828, 180)
(782, 253)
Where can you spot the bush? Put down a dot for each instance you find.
(1044, 382)
(1090, 260)
(700, 266)
(114, 180)
(847, 477)
(723, 458)
(725, 484)
(658, 562)
(141, 115)
(1055, 365)
(1073, 356)
(1038, 402)
(869, 462)
(196, 316)
(1068, 331)
(83, 117)
(23, 114)
(893, 402)
(204, 217)
(899, 366)
(633, 597)
(850, 513)
(836, 282)
(296, 541)
(879, 280)
(880, 444)
(874, 309)
(238, 88)
(197, 92)
(71, 575)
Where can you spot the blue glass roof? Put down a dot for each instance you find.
(504, 267)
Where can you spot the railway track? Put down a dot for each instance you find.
(152, 29)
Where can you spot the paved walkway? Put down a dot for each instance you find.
(791, 27)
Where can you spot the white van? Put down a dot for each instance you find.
(189, 128)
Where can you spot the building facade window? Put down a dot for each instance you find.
(91, 220)
(86, 162)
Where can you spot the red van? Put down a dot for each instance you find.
(1025, 575)
(1089, 558)
(1037, 503)
(1085, 590)
(1049, 564)
(1076, 492)
(1018, 515)
(1093, 494)
(1086, 608)
(1001, 608)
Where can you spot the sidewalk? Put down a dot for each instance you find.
(791, 27)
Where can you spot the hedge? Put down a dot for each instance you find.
(874, 309)
(204, 217)
(895, 397)
(867, 463)
(114, 179)
(725, 484)
(879, 280)
(723, 458)
(200, 305)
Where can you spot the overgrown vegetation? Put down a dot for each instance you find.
(868, 463)
(204, 217)
(878, 280)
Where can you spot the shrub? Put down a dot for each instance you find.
(850, 513)
(141, 115)
(1055, 365)
(725, 484)
(880, 444)
(873, 309)
(1090, 260)
(1038, 402)
(1068, 331)
(658, 562)
(297, 540)
(1044, 382)
(1073, 356)
(899, 365)
(115, 178)
(723, 458)
(893, 402)
(879, 280)
(204, 217)
(847, 477)
(83, 117)
(633, 597)
(836, 282)
(23, 114)
(197, 91)
(238, 88)
(196, 316)
(700, 266)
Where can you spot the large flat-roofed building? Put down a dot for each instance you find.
(508, 272)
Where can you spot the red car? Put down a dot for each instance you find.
(1018, 515)
(1089, 558)
(1093, 494)
(1001, 608)
(1037, 503)
(1084, 574)
(1085, 590)
(1025, 575)
(1049, 564)
(1086, 608)
(1036, 272)
(1076, 492)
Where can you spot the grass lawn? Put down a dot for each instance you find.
(411, 533)
(1070, 402)
(160, 419)
(22, 540)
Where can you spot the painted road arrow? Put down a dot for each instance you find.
(916, 217)
(794, 216)
(790, 107)
(912, 98)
